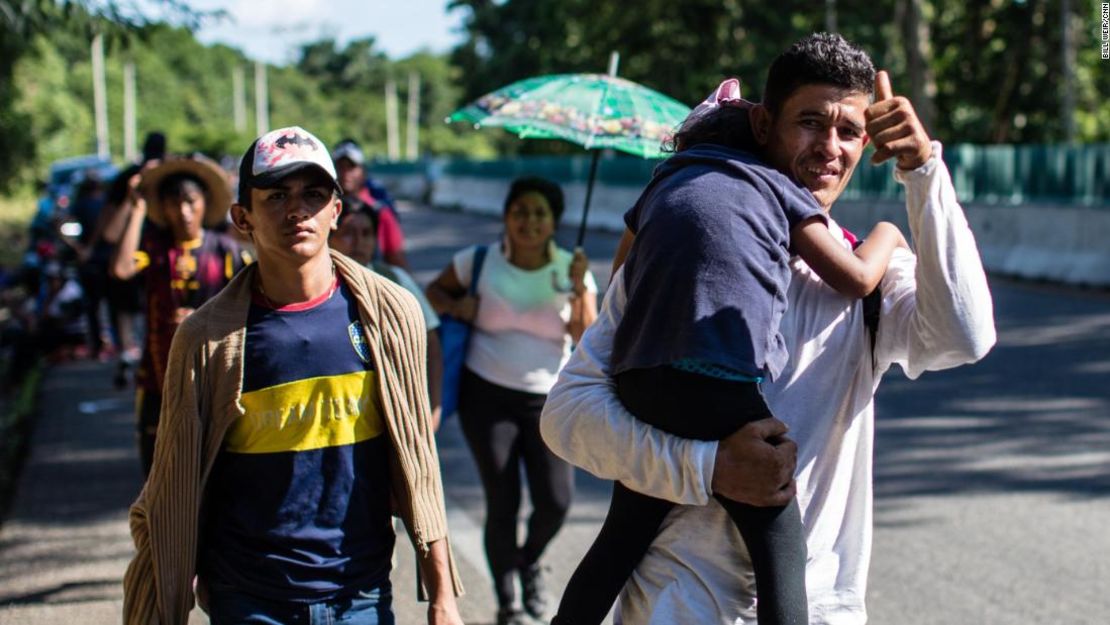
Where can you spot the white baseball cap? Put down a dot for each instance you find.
(279, 153)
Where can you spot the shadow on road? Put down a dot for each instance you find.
(73, 592)
(1034, 415)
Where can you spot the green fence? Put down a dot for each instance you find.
(996, 174)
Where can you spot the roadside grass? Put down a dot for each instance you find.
(16, 212)
(15, 427)
(17, 404)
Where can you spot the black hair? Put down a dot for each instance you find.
(180, 183)
(820, 58)
(724, 125)
(528, 184)
(352, 205)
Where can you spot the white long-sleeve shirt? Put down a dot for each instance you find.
(936, 313)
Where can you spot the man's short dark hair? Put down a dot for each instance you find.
(820, 58)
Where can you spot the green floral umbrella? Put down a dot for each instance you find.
(594, 110)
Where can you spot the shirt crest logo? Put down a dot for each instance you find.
(358, 341)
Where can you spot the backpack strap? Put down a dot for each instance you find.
(872, 306)
(476, 268)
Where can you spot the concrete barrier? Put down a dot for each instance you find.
(1058, 243)
(1065, 244)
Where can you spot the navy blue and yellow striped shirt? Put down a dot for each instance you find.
(298, 506)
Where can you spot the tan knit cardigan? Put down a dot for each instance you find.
(201, 396)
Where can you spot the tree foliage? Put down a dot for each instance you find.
(185, 89)
(981, 71)
(993, 69)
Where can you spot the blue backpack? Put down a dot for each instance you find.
(454, 339)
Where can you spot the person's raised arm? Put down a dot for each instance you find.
(123, 264)
(854, 274)
(938, 311)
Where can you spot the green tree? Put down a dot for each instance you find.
(980, 71)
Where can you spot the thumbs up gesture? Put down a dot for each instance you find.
(895, 128)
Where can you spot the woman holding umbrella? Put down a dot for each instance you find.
(532, 300)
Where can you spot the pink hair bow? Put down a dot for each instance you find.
(726, 94)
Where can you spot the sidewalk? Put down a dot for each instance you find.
(65, 544)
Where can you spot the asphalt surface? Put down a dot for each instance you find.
(992, 481)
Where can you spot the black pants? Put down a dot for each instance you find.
(502, 428)
(94, 284)
(704, 408)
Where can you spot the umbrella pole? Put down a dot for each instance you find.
(589, 194)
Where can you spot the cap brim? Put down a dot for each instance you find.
(270, 179)
(204, 169)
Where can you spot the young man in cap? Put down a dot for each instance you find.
(295, 419)
(183, 263)
(349, 165)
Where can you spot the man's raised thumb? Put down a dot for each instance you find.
(882, 86)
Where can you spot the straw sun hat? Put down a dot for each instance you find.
(211, 175)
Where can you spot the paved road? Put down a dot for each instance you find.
(993, 481)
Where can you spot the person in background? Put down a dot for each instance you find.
(92, 258)
(356, 235)
(60, 327)
(534, 299)
(350, 164)
(183, 264)
(125, 297)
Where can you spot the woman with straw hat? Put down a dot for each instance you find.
(168, 238)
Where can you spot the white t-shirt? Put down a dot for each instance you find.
(520, 338)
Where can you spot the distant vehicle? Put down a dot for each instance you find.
(61, 185)
(67, 173)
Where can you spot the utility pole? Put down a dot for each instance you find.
(413, 135)
(261, 100)
(830, 16)
(100, 97)
(130, 140)
(239, 98)
(393, 143)
(1067, 49)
